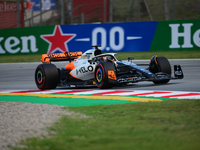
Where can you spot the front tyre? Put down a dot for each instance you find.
(105, 75)
(160, 64)
(46, 76)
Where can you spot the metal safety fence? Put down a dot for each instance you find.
(24, 13)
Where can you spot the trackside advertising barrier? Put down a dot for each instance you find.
(113, 37)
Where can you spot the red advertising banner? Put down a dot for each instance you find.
(8, 14)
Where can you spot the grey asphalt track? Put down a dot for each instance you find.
(20, 76)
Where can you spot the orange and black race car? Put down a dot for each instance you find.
(100, 69)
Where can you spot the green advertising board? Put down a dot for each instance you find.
(177, 35)
(24, 40)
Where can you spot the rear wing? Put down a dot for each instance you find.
(66, 56)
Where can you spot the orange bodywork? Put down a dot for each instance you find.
(47, 58)
(111, 75)
(70, 66)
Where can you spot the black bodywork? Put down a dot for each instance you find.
(129, 72)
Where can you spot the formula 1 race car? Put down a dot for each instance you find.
(101, 69)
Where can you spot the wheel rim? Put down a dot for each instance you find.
(99, 75)
(39, 77)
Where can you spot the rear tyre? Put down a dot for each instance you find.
(105, 75)
(46, 76)
(162, 65)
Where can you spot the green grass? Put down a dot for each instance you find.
(187, 54)
(173, 125)
(20, 58)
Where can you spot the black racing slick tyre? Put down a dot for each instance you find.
(105, 75)
(46, 76)
(163, 66)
